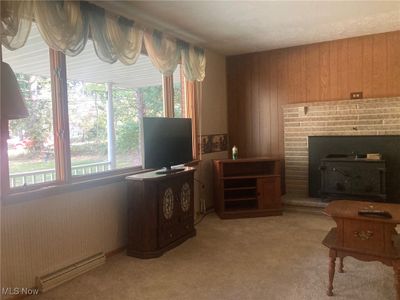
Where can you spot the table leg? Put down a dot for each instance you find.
(341, 265)
(332, 262)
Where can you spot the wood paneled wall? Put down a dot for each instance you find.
(258, 84)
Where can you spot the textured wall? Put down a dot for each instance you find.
(368, 116)
(213, 120)
(40, 236)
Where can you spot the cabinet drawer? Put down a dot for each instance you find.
(186, 227)
(168, 234)
(364, 235)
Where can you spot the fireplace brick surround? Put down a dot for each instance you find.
(378, 116)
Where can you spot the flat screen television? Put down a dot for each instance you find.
(167, 142)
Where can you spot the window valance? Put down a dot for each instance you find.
(67, 25)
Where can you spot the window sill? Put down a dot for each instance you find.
(56, 189)
(193, 163)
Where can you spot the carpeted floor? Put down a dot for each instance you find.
(261, 258)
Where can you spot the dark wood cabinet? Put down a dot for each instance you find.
(247, 187)
(160, 212)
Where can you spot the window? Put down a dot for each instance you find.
(105, 105)
(31, 140)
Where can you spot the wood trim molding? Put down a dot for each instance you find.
(60, 115)
(183, 91)
(115, 251)
(192, 96)
(48, 191)
(168, 95)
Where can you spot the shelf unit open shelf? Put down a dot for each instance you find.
(247, 187)
(240, 199)
(241, 188)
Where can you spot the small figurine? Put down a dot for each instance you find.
(234, 153)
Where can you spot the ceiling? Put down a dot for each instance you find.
(236, 27)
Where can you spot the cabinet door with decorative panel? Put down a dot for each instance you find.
(168, 211)
(186, 203)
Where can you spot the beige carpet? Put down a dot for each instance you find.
(260, 258)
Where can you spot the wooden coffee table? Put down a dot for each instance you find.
(364, 238)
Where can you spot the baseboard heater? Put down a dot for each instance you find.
(58, 277)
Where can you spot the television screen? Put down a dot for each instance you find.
(167, 142)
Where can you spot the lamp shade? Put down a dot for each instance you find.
(12, 103)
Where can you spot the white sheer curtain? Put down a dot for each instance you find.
(125, 37)
(163, 51)
(62, 25)
(194, 63)
(16, 22)
(66, 26)
(114, 38)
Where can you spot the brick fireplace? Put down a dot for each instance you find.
(366, 117)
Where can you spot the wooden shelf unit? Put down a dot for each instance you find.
(248, 187)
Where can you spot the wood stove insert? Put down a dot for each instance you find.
(353, 177)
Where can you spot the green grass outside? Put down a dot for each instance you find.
(24, 166)
(19, 166)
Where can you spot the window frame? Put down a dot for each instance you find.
(64, 180)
